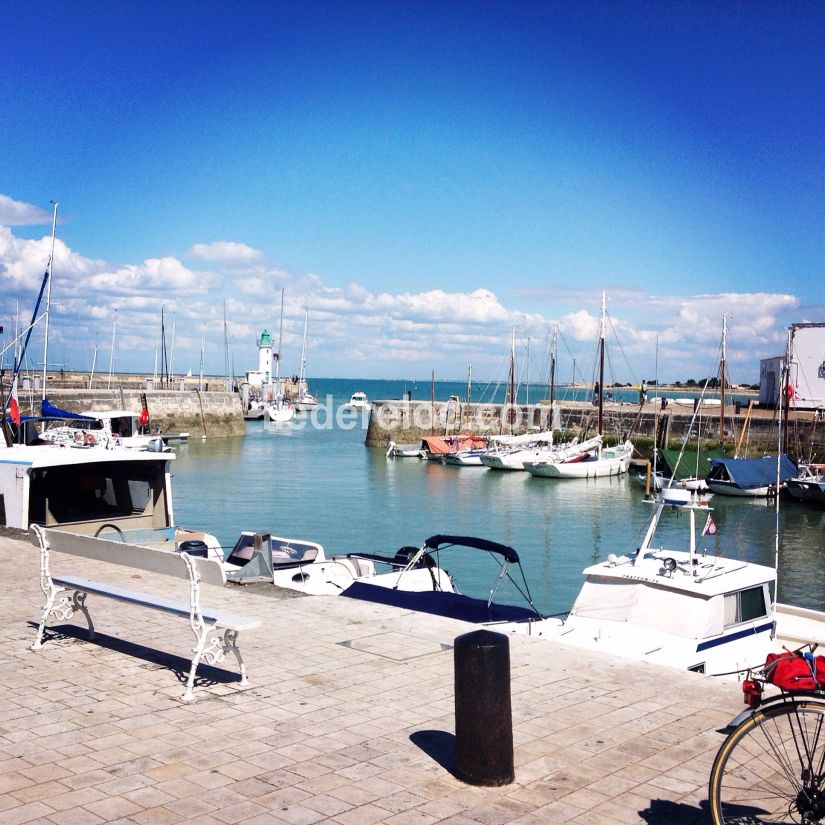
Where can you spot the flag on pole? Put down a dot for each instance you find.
(14, 407)
(710, 528)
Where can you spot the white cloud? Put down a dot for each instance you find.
(226, 252)
(355, 329)
(17, 213)
(165, 276)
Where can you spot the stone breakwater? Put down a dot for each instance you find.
(406, 422)
(213, 414)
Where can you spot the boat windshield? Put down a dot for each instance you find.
(645, 605)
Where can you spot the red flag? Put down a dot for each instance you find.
(710, 527)
(14, 407)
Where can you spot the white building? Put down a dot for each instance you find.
(807, 370)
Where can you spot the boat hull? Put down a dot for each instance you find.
(605, 465)
(807, 490)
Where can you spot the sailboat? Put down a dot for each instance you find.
(749, 477)
(280, 411)
(306, 401)
(597, 460)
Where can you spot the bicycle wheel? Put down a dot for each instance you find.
(771, 769)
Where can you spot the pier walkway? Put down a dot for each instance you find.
(349, 720)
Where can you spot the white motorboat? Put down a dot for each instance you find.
(359, 401)
(403, 450)
(302, 565)
(119, 494)
(97, 428)
(682, 608)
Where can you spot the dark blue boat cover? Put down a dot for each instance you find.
(49, 411)
(757, 472)
(451, 605)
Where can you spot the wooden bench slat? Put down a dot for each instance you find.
(222, 618)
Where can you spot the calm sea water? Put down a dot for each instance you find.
(325, 485)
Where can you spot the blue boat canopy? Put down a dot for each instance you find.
(48, 410)
(757, 472)
(439, 541)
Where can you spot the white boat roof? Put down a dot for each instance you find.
(707, 576)
(112, 414)
(56, 455)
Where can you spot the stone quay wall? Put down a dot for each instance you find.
(406, 422)
(213, 414)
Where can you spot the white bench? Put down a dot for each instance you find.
(216, 631)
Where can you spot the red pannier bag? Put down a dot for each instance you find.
(792, 671)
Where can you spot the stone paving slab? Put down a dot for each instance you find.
(349, 719)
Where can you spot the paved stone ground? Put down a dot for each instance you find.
(349, 719)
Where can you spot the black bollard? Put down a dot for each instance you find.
(483, 716)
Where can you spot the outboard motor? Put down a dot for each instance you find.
(156, 445)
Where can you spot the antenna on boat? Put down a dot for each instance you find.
(49, 298)
(786, 382)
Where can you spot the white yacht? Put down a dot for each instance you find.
(359, 401)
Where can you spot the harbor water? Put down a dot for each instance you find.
(323, 484)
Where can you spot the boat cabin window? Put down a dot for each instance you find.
(61, 495)
(745, 606)
(122, 426)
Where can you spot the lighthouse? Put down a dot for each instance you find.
(263, 375)
(265, 357)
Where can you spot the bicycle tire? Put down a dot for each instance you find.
(771, 769)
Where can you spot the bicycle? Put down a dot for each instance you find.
(771, 766)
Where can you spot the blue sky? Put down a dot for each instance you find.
(423, 176)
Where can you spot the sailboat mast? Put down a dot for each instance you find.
(469, 381)
(278, 392)
(527, 372)
(787, 394)
(601, 366)
(172, 348)
(722, 373)
(49, 300)
(94, 362)
(511, 384)
(112, 353)
(553, 345)
(303, 352)
(203, 346)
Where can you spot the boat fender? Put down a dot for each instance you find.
(144, 417)
(89, 440)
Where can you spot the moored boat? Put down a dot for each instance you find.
(297, 564)
(750, 477)
(809, 485)
(359, 401)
